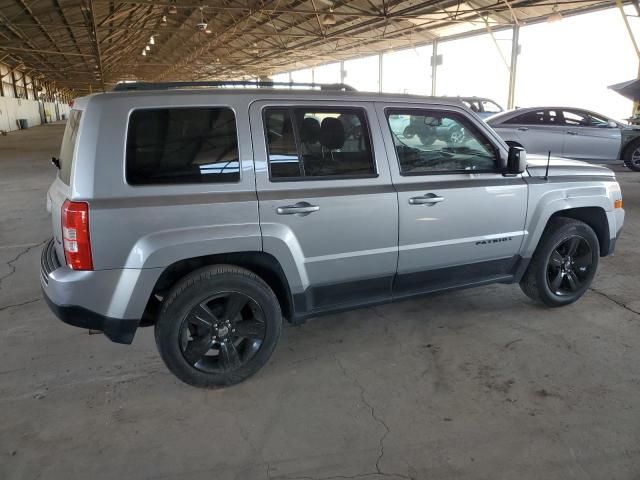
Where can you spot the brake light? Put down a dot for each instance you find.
(75, 235)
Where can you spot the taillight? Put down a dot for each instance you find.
(75, 235)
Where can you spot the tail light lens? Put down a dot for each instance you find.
(75, 235)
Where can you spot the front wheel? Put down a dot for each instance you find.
(632, 156)
(218, 326)
(564, 263)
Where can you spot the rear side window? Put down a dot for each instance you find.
(68, 146)
(312, 143)
(182, 145)
(539, 117)
(490, 107)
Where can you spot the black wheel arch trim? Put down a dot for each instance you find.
(596, 218)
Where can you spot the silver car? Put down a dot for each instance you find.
(212, 214)
(569, 132)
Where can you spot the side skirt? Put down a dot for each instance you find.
(378, 291)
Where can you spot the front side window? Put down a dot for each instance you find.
(598, 121)
(576, 118)
(439, 142)
(182, 145)
(68, 146)
(312, 143)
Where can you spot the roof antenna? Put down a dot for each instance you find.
(546, 174)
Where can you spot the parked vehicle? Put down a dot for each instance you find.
(570, 133)
(483, 107)
(213, 214)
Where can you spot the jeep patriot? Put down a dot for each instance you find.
(215, 213)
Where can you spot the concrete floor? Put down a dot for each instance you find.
(476, 384)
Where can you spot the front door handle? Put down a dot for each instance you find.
(302, 209)
(573, 133)
(428, 199)
(523, 129)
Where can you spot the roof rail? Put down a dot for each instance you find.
(132, 86)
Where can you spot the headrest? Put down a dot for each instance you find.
(332, 133)
(310, 130)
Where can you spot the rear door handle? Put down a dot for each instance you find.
(573, 133)
(523, 129)
(428, 199)
(302, 209)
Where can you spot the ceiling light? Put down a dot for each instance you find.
(329, 18)
(163, 22)
(147, 48)
(144, 52)
(152, 41)
(172, 10)
(207, 31)
(556, 16)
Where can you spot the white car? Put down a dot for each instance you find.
(569, 132)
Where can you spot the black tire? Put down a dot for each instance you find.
(427, 138)
(184, 328)
(409, 132)
(631, 155)
(575, 271)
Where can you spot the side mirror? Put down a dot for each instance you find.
(516, 161)
(612, 124)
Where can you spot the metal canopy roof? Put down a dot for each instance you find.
(92, 44)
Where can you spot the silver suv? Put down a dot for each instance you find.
(214, 213)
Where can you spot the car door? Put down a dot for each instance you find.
(538, 131)
(328, 210)
(589, 137)
(461, 221)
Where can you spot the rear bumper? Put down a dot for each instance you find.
(111, 301)
(119, 330)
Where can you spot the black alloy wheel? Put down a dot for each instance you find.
(569, 266)
(223, 332)
(218, 326)
(564, 263)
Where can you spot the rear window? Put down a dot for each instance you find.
(68, 146)
(182, 145)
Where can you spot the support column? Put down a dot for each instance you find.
(26, 86)
(342, 72)
(513, 68)
(434, 67)
(13, 82)
(636, 104)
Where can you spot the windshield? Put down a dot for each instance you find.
(69, 145)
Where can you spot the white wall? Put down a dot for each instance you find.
(11, 109)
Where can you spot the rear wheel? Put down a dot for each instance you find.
(564, 264)
(218, 326)
(632, 155)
